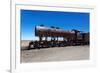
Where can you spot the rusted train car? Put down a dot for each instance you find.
(70, 37)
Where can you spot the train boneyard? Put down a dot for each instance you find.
(69, 38)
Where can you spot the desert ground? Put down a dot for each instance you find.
(68, 53)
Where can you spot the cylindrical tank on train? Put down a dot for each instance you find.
(46, 31)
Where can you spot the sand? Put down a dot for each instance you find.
(69, 53)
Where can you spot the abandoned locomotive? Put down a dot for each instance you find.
(58, 37)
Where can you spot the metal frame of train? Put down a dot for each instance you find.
(70, 37)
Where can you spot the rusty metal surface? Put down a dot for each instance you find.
(46, 31)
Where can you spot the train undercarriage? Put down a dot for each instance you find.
(49, 44)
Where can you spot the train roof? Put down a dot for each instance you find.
(43, 28)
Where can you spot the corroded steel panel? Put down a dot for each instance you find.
(46, 31)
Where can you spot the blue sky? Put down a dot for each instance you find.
(63, 20)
